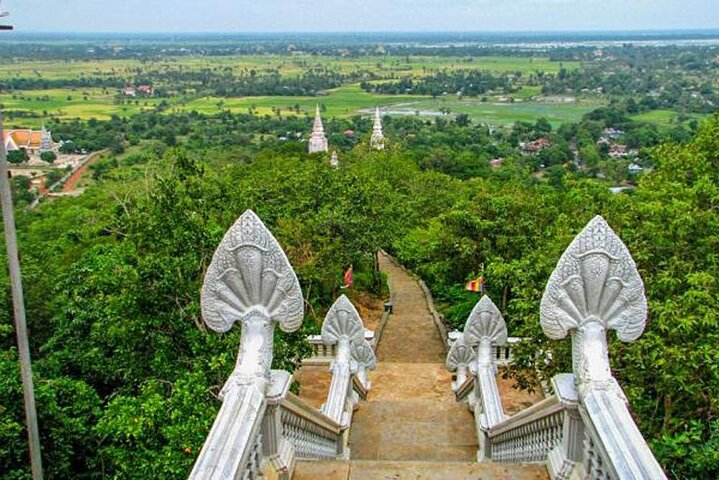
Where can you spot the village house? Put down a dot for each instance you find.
(535, 146)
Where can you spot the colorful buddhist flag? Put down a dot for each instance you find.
(475, 285)
(348, 278)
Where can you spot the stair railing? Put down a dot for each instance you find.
(474, 351)
(585, 430)
(261, 425)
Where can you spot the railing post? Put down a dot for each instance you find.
(567, 456)
(276, 449)
(595, 288)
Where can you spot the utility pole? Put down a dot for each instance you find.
(18, 304)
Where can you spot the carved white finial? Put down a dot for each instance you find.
(342, 326)
(461, 358)
(595, 280)
(251, 281)
(485, 323)
(594, 288)
(460, 354)
(250, 270)
(364, 358)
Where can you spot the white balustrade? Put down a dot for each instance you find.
(585, 430)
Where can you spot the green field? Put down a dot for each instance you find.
(666, 118)
(101, 104)
(285, 64)
(69, 104)
(348, 101)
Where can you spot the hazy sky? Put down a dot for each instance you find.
(359, 15)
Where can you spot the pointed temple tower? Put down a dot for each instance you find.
(318, 141)
(45, 141)
(377, 140)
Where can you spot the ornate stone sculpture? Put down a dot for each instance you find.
(334, 160)
(595, 288)
(364, 359)
(485, 327)
(461, 358)
(249, 281)
(342, 326)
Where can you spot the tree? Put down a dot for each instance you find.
(48, 157)
(17, 156)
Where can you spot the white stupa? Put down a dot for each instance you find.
(377, 140)
(318, 141)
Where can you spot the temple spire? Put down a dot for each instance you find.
(318, 141)
(377, 140)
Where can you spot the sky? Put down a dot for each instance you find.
(358, 15)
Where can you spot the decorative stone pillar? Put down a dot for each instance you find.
(485, 327)
(364, 358)
(249, 281)
(342, 327)
(595, 288)
(460, 359)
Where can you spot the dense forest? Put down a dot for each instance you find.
(127, 375)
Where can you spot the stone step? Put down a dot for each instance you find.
(383, 470)
(424, 430)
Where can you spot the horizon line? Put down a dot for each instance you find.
(712, 30)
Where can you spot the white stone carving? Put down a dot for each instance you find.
(485, 324)
(342, 326)
(594, 288)
(334, 160)
(249, 281)
(377, 139)
(485, 327)
(318, 141)
(460, 359)
(364, 359)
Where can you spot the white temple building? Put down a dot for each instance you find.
(35, 142)
(377, 139)
(318, 141)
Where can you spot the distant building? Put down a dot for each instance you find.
(146, 90)
(33, 141)
(318, 141)
(129, 92)
(495, 163)
(535, 146)
(377, 139)
(612, 133)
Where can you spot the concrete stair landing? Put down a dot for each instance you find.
(374, 470)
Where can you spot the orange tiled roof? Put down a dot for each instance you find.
(24, 138)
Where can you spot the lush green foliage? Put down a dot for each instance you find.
(127, 374)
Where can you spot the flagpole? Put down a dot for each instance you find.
(18, 303)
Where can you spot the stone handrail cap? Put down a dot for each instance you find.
(485, 322)
(596, 280)
(250, 271)
(342, 321)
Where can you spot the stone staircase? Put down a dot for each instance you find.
(411, 425)
(386, 408)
